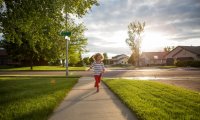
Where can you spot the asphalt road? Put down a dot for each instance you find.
(141, 73)
(187, 78)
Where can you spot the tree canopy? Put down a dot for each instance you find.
(34, 26)
(134, 39)
(168, 48)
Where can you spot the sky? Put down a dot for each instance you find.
(168, 23)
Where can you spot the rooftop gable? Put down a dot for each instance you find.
(152, 55)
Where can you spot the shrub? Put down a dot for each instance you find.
(188, 63)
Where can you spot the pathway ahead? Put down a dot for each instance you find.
(83, 103)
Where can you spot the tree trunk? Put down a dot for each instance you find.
(31, 61)
(31, 64)
(138, 63)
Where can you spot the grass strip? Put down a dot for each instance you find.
(32, 98)
(41, 68)
(156, 101)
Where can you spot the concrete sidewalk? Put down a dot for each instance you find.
(83, 103)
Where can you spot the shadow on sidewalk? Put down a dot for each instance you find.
(87, 93)
(83, 98)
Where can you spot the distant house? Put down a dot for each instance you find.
(4, 59)
(152, 58)
(183, 53)
(120, 59)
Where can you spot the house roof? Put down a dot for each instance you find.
(150, 55)
(193, 49)
(119, 59)
(3, 52)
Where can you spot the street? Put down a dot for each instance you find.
(146, 73)
(187, 78)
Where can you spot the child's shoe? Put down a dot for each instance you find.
(97, 89)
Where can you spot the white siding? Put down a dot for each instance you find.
(122, 59)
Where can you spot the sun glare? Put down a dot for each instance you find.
(152, 41)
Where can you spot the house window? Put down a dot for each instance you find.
(155, 57)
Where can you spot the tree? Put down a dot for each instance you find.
(77, 42)
(168, 48)
(35, 24)
(105, 55)
(86, 60)
(134, 41)
(131, 59)
(80, 61)
(91, 60)
(105, 58)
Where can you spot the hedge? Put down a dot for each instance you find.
(188, 63)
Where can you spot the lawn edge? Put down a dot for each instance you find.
(3, 70)
(122, 101)
(66, 94)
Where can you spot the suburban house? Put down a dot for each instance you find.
(152, 58)
(3, 57)
(120, 59)
(5, 60)
(183, 53)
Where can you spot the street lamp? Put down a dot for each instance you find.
(67, 45)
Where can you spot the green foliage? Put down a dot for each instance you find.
(105, 55)
(155, 101)
(31, 27)
(35, 98)
(105, 61)
(55, 63)
(91, 60)
(86, 60)
(168, 48)
(134, 38)
(78, 42)
(187, 63)
(78, 7)
(167, 67)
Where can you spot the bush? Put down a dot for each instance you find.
(188, 63)
(55, 63)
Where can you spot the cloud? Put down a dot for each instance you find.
(177, 20)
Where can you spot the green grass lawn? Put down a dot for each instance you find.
(32, 98)
(3, 68)
(156, 101)
(167, 67)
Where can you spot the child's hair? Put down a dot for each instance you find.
(96, 55)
